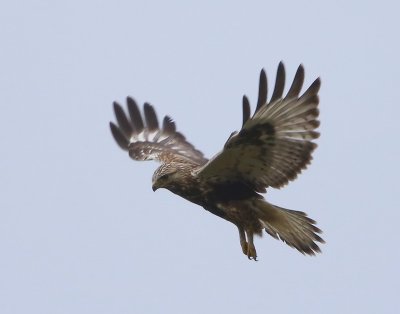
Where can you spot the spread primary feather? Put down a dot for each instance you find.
(273, 146)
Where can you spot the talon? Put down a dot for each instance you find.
(248, 247)
(251, 252)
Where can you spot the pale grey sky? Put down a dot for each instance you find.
(81, 231)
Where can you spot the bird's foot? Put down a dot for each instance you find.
(244, 247)
(251, 251)
(248, 247)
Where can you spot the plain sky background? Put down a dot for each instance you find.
(81, 231)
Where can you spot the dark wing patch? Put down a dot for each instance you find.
(146, 140)
(275, 144)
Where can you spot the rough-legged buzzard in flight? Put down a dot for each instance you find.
(273, 146)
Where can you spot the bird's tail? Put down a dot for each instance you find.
(291, 226)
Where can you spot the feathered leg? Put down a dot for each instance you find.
(251, 249)
(243, 241)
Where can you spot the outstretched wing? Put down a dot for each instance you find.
(145, 140)
(275, 144)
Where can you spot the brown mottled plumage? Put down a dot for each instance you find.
(271, 149)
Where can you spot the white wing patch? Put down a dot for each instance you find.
(145, 140)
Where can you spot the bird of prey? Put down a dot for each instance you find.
(272, 147)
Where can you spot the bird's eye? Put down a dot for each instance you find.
(164, 176)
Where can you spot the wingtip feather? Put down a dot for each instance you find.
(262, 90)
(122, 120)
(169, 125)
(246, 109)
(279, 82)
(134, 114)
(151, 117)
(119, 137)
(297, 83)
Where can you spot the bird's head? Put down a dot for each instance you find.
(164, 177)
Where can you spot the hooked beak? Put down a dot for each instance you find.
(154, 187)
